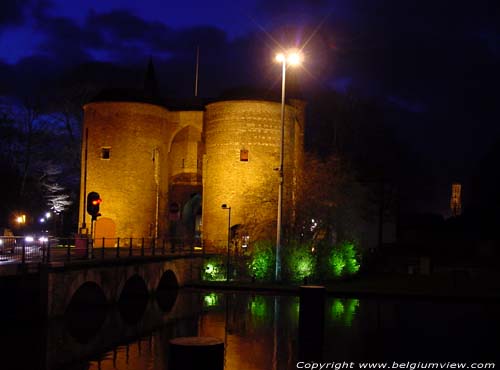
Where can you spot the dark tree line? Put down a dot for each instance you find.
(40, 154)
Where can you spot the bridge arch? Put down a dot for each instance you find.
(86, 312)
(168, 281)
(112, 279)
(133, 299)
(81, 287)
(134, 288)
(166, 291)
(88, 294)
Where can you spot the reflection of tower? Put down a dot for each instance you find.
(456, 200)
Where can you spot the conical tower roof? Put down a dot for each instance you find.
(151, 89)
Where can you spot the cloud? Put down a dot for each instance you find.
(420, 50)
(13, 12)
(123, 39)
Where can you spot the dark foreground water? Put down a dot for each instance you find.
(260, 331)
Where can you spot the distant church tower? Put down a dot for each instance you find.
(456, 199)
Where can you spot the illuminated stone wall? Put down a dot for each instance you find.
(250, 187)
(139, 137)
(127, 180)
(193, 151)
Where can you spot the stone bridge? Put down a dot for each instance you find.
(108, 280)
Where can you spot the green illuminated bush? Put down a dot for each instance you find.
(262, 260)
(344, 259)
(351, 257)
(337, 262)
(299, 261)
(214, 269)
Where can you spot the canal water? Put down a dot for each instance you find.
(261, 332)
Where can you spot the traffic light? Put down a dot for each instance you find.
(93, 201)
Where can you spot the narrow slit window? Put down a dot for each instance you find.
(105, 153)
(243, 155)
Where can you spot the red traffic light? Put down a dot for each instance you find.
(93, 201)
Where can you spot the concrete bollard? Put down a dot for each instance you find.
(195, 353)
(311, 322)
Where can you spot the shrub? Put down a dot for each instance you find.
(262, 260)
(344, 259)
(351, 257)
(214, 269)
(299, 261)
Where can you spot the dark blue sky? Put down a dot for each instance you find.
(436, 62)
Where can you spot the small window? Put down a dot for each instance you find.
(105, 153)
(243, 155)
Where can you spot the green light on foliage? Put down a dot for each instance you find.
(343, 311)
(300, 261)
(350, 255)
(213, 270)
(344, 259)
(338, 263)
(210, 268)
(261, 264)
(210, 300)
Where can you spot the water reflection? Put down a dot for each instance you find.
(84, 324)
(343, 311)
(166, 299)
(261, 332)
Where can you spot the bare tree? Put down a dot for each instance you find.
(56, 195)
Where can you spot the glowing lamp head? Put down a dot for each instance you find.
(291, 57)
(294, 58)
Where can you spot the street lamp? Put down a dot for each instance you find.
(224, 206)
(21, 219)
(292, 58)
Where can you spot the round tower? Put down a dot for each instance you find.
(125, 158)
(240, 167)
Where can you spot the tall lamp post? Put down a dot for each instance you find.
(225, 206)
(289, 58)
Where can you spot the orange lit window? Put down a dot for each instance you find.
(105, 153)
(243, 155)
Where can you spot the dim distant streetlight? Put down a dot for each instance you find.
(225, 206)
(289, 58)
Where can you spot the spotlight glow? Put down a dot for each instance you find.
(294, 58)
(280, 57)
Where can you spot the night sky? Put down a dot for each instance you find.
(433, 63)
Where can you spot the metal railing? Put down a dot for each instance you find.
(20, 250)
